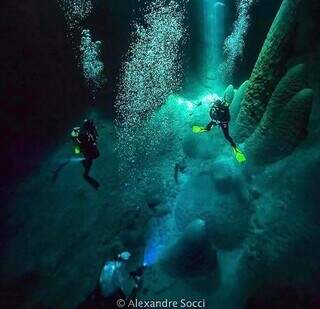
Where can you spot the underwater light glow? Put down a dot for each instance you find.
(207, 99)
(235, 42)
(213, 36)
(76, 160)
(151, 73)
(187, 103)
(151, 254)
(180, 101)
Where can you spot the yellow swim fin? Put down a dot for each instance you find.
(240, 157)
(77, 150)
(198, 129)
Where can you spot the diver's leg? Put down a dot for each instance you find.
(87, 163)
(225, 130)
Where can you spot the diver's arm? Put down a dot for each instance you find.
(210, 125)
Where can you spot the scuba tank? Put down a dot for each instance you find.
(114, 275)
(74, 135)
(220, 112)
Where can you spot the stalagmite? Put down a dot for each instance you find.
(229, 94)
(236, 102)
(268, 70)
(289, 85)
(285, 133)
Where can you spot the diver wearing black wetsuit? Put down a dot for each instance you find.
(220, 115)
(87, 141)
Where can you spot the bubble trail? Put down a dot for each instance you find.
(75, 12)
(235, 42)
(92, 66)
(151, 72)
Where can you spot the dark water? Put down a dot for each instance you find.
(204, 228)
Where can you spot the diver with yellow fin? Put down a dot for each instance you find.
(220, 115)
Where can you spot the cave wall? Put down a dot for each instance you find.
(287, 63)
(41, 87)
(41, 83)
(261, 16)
(42, 90)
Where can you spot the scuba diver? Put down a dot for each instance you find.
(220, 116)
(112, 285)
(114, 276)
(85, 138)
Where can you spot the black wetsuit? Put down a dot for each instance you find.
(137, 276)
(87, 142)
(220, 115)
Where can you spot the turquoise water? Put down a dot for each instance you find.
(211, 230)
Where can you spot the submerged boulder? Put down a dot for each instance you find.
(268, 70)
(220, 197)
(191, 255)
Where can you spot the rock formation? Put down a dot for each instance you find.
(271, 111)
(192, 254)
(229, 94)
(284, 132)
(268, 70)
(274, 134)
(236, 102)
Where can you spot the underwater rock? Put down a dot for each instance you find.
(161, 211)
(199, 146)
(229, 94)
(289, 85)
(192, 254)
(284, 133)
(283, 296)
(220, 197)
(16, 292)
(236, 102)
(268, 70)
(294, 81)
(153, 201)
(179, 168)
(283, 224)
(224, 183)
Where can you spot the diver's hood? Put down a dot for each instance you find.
(125, 256)
(75, 132)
